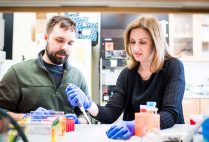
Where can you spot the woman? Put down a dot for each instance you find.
(152, 74)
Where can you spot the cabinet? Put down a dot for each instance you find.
(188, 36)
(190, 106)
(204, 106)
(194, 106)
(204, 32)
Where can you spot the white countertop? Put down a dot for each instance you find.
(96, 133)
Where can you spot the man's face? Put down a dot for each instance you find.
(59, 44)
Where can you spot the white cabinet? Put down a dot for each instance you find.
(181, 34)
(188, 36)
(203, 38)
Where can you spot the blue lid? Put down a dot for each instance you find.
(151, 104)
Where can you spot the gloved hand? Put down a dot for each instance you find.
(72, 116)
(77, 97)
(205, 130)
(39, 113)
(122, 130)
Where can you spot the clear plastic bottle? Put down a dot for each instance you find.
(147, 120)
(153, 119)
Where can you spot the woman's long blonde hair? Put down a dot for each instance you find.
(152, 26)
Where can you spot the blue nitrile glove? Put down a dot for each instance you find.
(77, 97)
(205, 130)
(39, 113)
(73, 116)
(122, 130)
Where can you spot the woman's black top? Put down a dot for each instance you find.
(165, 87)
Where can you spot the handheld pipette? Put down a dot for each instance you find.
(82, 109)
(85, 115)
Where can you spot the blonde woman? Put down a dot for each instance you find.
(152, 74)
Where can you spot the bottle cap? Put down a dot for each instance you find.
(143, 108)
(151, 104)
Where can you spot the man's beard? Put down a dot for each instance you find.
(54, 59)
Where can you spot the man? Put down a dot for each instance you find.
(42, 82)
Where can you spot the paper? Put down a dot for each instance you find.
(109, 46)
(113, 63)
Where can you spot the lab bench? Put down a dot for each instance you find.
(96, 133)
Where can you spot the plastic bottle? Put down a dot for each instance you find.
(153, 119)
(140, 118)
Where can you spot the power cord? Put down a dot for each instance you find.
(15, 124)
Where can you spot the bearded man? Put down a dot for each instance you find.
(39, 84)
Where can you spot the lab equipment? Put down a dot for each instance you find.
(39, 113)
(152, 123)
(85, 115)
(147, 120)
(72, 116)
(205, 130)
(122, 130)
(70, 125)
(140, 119)
(77, 97)
(43, 123)
(195, 118)
(53, 135)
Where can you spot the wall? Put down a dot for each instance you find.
(2, 53)
(22, 36)
(196, 72)
(81, 58)
(1, 31)
(95, 74)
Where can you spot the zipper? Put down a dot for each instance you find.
(44, 68)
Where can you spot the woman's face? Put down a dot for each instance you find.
(141, 45)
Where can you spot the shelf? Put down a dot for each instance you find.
(180, 37)
(113, 68)
(194, 59)
(205, 41)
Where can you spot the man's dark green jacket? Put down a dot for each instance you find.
(28, 85)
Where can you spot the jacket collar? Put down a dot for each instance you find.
(40, 61)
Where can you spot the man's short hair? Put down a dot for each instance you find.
(64, 22)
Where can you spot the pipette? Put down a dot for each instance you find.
(85, 115)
